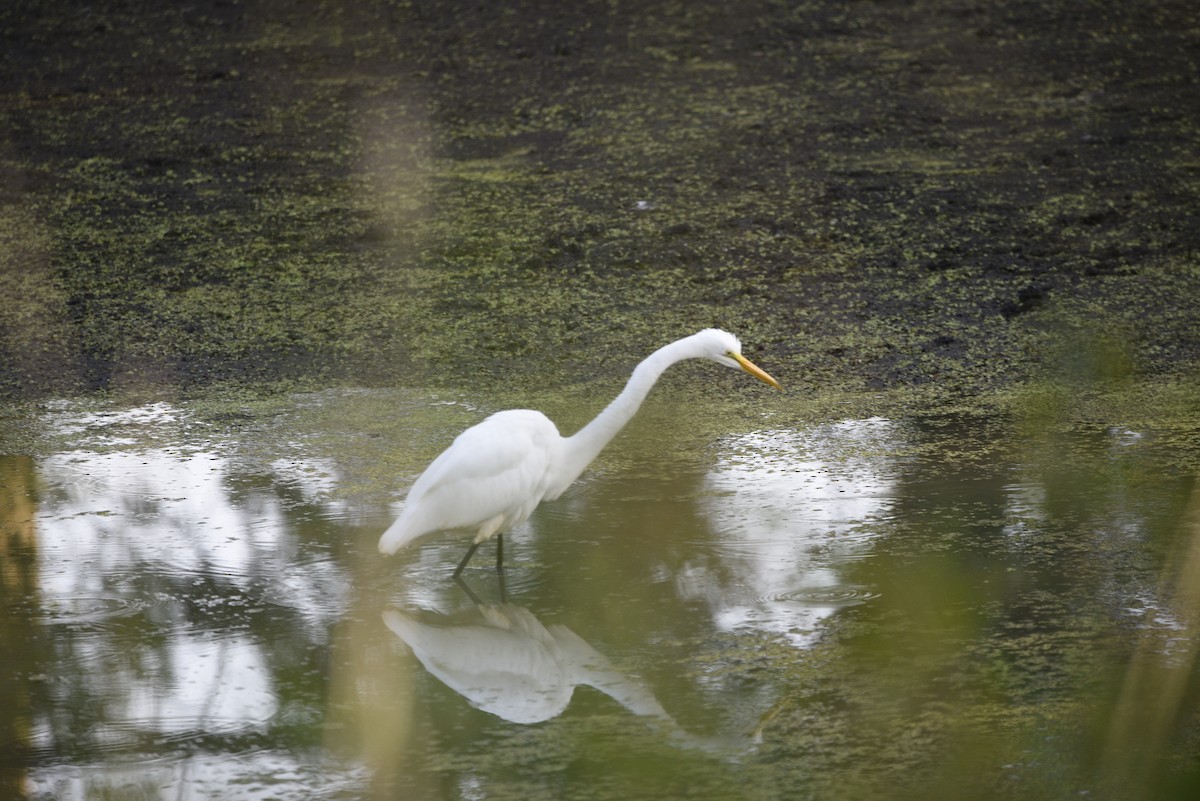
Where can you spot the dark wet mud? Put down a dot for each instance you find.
(957, 195)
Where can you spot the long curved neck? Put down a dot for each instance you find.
(582, 447)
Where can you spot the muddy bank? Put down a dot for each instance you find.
(955, 194)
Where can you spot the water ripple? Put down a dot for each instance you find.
(76, 609)
(824, 597)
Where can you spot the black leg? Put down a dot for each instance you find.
(465, 559)
(500, 552)
(474, 598)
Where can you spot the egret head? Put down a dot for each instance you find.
(725, 348)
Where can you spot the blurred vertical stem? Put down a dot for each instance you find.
(1153, 698)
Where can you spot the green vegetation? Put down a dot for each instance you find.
(871, 197)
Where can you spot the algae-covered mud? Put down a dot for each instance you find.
(261, 261)
(876, 194)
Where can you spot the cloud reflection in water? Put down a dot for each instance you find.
(165, 579)
(789, 506)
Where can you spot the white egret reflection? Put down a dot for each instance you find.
(503, 660)
(788, 507)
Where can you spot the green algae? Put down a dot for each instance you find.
(870, 198)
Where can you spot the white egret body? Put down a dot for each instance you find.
(496, 473)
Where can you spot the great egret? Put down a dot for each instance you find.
(494, 474)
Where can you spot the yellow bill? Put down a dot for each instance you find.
(756, 371)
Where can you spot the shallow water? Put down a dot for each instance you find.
(943, 607)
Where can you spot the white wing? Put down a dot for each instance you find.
(495, 472)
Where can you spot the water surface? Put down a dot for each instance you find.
(194, 608)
